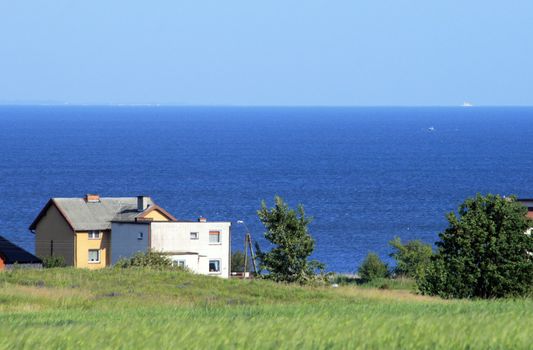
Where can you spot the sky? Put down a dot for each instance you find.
(268, 53)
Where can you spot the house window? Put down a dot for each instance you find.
(94, 256)
(214, 265)
(179, 263)
(194, 235)
(94, 234)
(140, 236)
(214, 237)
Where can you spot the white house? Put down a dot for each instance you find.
(203, 247)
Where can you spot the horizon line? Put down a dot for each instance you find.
(248, 106)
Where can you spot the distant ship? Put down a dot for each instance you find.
(467, 104)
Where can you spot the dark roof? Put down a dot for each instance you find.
(12, 253)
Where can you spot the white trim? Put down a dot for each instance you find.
(219, 266)
(180, 263)
(94, 261)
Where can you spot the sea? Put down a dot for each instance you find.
(365, 175)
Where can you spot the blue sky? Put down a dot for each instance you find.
(212, 52)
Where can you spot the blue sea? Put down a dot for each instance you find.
(364, 174)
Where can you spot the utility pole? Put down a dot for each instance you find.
(248, 246)
(245, 255)
(252, 254)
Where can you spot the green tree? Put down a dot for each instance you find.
(372, 268)
(286, 229)
(411, 258)
(237, 262)
(485, 252)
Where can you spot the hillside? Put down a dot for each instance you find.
(126, 309)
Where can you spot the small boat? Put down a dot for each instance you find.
(467, 104)
(431, 129)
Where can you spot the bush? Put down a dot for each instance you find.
(151, 260)
(411, 258)
(485, 252)
(373, 268)
(50, 262)
(237, 262)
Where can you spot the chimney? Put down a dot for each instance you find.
(202, 219)
(92, 198)
(142, 203)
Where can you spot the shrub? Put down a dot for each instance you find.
(485, 252)
(50, 262)
(373, 268)
(411, 258)
(237, 262)
(151, 260)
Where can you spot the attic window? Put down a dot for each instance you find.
(94, 235)
(140, 236)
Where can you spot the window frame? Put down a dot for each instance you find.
(219, 266)
(195, 233)
(140, 236)
(181, 263)
(98, 252)
(218, 234)
(93, 232)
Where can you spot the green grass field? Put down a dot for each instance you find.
(139, 309)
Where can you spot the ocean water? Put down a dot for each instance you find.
(364, 174)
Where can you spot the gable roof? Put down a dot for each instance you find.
(12, 253)
(82, 215)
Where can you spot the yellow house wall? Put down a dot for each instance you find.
(53, 226)
(155, 215)
(83, 244)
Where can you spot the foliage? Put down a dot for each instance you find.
(50, 262)
(287, 230)
(237, 262)
(373, 268)
(484, 253)
(397, 283)
(152, 309)
(151, 260)
(411, 258)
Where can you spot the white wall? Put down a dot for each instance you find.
(125, 240)
(174, 238)
(191, 261)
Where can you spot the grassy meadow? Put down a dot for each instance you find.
(128, 309)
